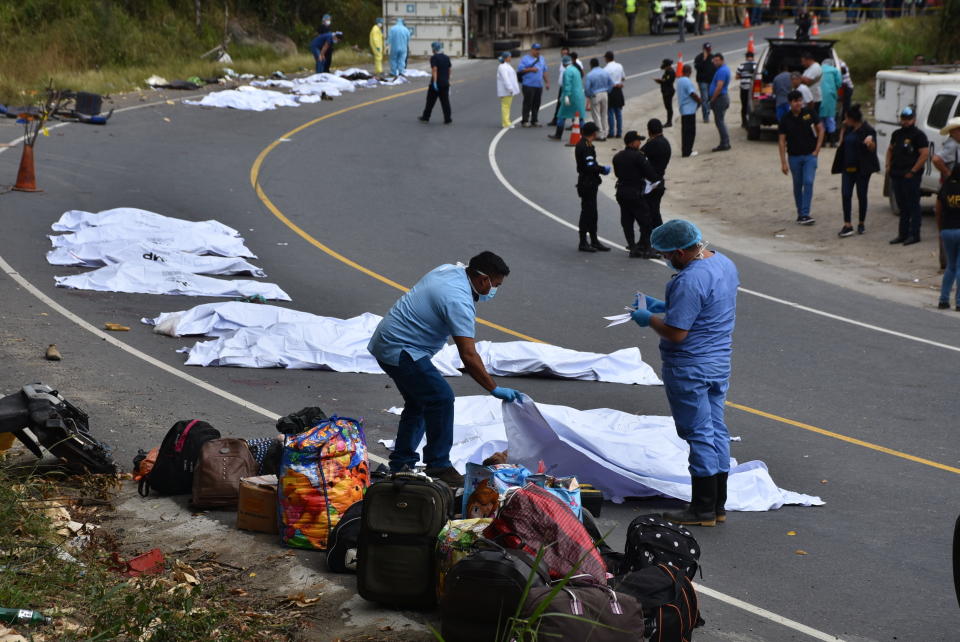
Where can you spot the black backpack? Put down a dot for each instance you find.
(300, 421)
(344, 541)
(670, 607)
(172, 473)
(652, 540)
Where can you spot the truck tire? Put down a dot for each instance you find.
(582, 34)
(606, 29)
(753, 128)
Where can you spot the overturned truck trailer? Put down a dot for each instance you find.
(484, 28)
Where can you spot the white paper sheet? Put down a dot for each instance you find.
(262, 336)
(621, 454)
(153, 278)
(111, 252)
(135, 218)
(617, 319)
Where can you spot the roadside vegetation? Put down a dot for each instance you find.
(55, 560)
(108, 46)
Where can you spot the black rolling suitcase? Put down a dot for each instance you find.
(396, 557)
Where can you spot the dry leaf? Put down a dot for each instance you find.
(9, 635)
(252, 575)
(238, 591)
(791, 533)
(823, 481)
(300, 600)
(800, 552)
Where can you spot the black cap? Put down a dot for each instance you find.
(632, 136)
(589, 129)
(706, 45)
(666, 63)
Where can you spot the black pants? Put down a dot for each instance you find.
(668, 105)
(848, 182)
(744, 106)
(531, 104)
(688, 133)
(444, 96)
(631, 20)
(588, 211)
(653, 205)
(633, 209)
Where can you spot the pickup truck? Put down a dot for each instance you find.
(779, 51)
(934, 92)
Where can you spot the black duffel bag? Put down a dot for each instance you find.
(584, 612)
(668, 600)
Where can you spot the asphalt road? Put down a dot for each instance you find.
(398, 198)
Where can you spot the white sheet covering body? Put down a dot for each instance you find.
(246, 98)
(84, 242)
(622, 455)
(153, 278)
(111, 252)
(263, 336)
(134, 218)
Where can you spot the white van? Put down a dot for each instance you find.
(934, 92)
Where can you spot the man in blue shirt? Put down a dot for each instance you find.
(532, 70)
(322, 49)
(597, 86)
(720, 100)
(688, 100)
(696, 342)
(440, 305)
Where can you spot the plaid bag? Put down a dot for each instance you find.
(532, 518)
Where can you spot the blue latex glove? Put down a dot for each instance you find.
(655, 305)
(641, 317)
(506, 394)
(436, 87)
(605, 170)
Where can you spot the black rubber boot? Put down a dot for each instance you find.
(596, 244)
(701, 511)
(720, 510)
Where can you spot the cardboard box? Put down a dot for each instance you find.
(257, 504)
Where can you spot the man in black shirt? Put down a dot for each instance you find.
(588, 182)
(439, 84)
(745, 73)
(666, 88)
(801, 136)
(633, 170)
(703, 63)
(657, 151)
(948, 220)
(906, 156)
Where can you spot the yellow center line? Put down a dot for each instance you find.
(255, 183)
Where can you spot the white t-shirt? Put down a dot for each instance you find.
(560, 75)
(813, 72)
(949, 152)
(615, 69)
(807, 94)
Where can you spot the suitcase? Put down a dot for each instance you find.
(396, 556)
(485, 589)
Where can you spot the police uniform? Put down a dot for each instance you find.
(588, 183)
(632, 169)
(658, 152)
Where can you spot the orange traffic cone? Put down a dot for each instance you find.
(815, 29)
(679, 64)
(575, 131)
(26, 178)
(706, 21)
(746, 20)
(750, 46)
(780, 35)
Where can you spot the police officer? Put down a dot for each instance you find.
(681, 13)
(656, 22)
(440, 305)
(696, 341)
(633, 170)
(745, 73)
(657, 150)
(906, 157)
(630, 9)
(588, 183)
(700, 16)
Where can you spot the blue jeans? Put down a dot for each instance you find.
(804, 170)
(847, 183)
(705, 95)
(951, 274)
(907, 193)
(720, 106)
(782, 110)
(428, 408)
(697, 406)
(615, 117)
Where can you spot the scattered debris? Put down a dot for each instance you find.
(150, 563)
(116, 327)
(53, 354)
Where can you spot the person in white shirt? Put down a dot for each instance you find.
(811, 78)
(615, 99)
(507, 88)
(796, 79)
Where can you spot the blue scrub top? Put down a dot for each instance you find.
(532, 78)
(316, 45)
(440, 305)
(702, 299)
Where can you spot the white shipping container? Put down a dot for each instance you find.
(430, 21)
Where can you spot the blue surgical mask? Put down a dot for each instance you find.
(489, 295)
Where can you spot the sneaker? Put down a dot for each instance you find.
(668, 124)
(448, 475)
(586, 247)
(911, 240)
(845, 232)
(693, 153)
(861, 229)
(524, 124)
(552, 137)
(552, 123)
(806, 220)
(536, 124)
(721, 148)
(943, 305)
(423, 120)
(448, 122)
(899, 239)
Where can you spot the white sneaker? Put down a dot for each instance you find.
(693, 153)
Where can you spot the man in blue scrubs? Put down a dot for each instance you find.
(442, 304)
(322, 49)
(696, 341)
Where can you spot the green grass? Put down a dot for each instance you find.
(89, 601)
(881, 44)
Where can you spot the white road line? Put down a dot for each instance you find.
(492, 156)
(764, 613)
(114, 341)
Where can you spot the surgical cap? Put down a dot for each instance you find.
(436, 46)
(675, 235)
(504, 56)
(379, 21)
(566, 60)
(326, 16)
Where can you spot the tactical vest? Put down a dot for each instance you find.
(631, 6)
